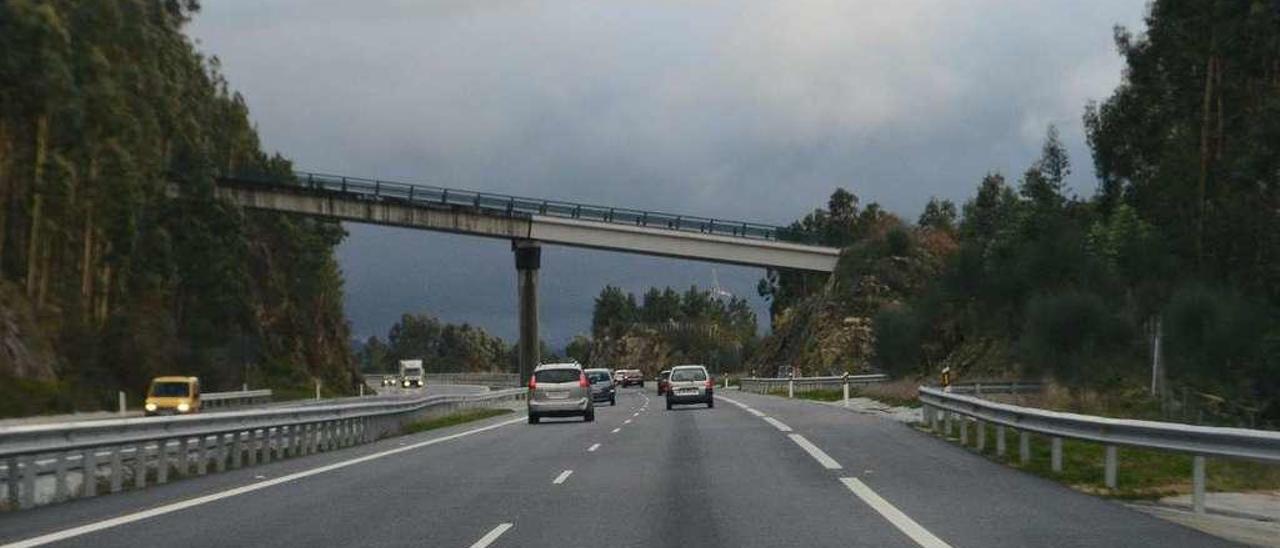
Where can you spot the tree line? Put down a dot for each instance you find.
(117, 263)
(442, 347)
(1181, 237)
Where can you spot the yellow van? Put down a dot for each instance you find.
(173, 395)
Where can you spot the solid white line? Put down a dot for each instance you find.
(615, 431)
(776, 423)
(824, 459)
(492, 535)
(636, 414)
(733, 401)
(563, 476)
(754, 412)
(895, 516)
(189, 503)
(593, 448)
(628, 421)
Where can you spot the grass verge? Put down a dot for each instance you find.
(1140, 474)
(453, 419)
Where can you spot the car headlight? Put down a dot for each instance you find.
(184, 407)
(151, 406)
(406, 384)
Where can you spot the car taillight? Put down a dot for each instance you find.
(582, 381)
(710, 384)
(533, 383)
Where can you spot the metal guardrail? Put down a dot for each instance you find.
(54, 462)
(508, 205)
(486, 379)
(235, 399)
(979, 388)
(1198, 441)
(808, 384)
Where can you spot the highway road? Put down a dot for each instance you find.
(755, 471)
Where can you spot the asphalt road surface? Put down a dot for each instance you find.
(755, 471)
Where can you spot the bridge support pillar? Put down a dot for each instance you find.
(528, 261)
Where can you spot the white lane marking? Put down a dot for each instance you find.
(754, 412)
(821, 456)
(895, 516)
(636, 414)
(615, 431)
(593, 448)
(563, 476)
(777, 424)
(492, 535)
(733, 401)
(189, 503)
(628, 421)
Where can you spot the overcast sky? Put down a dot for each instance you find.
(737, 109)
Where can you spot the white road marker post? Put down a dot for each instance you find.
(846, 389)
(791, 385)
(120, 398)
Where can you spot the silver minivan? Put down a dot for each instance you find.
(559, 390)
(690, 384)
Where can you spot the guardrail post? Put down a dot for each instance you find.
(982, 435)
(964, 430)
(1197, 484)
(140, 466)
(184, 459)
(237, 450)
(791, 387)
(1024, 446)
(267, 434)
(11, 480)
(1110, 467)
(1000, 440)
(117, 469)
(60, 477)
(27, 499)
(89, 471)
(1055, 454)
(223, 451)
(162, 461)
(252, 446)
(949, 420)
(202, 453)
(121, 401)
(846, 388)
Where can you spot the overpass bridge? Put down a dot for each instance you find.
(528, 223)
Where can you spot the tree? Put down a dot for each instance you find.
(938, 215)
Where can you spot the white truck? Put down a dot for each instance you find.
(411, 374)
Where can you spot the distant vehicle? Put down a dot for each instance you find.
(602, 386)
(173, 396)
(663, 381)
(690, 384)
(390, 380)
(559, 390)
(632, 377)
(618, 376)
(411, 374)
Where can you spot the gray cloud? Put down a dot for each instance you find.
(735, 109)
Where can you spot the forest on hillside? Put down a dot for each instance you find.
(116, 261)
(666, 327)
(442, 347)
(1180, 239)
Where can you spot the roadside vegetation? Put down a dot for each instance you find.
(1140, 474)
(117, 263)
(1180, 240)
(454, 419)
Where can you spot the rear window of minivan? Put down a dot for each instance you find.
(557, 375)
(681, 375)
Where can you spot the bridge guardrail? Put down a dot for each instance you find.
(76, 457)
(1198, 441)
(235, 399)
(509, 205)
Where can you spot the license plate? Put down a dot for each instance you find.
(557, 395)
(688, 392)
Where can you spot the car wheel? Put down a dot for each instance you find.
(711, 403)
(668, 405)
(533, 419)
(613, 400)
(589, 417)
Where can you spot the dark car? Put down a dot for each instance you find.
(664, 381)
(602, 388)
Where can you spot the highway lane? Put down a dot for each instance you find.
(692, 476)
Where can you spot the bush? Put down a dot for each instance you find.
(1213, 334)
(1073, 335)
(899, 334)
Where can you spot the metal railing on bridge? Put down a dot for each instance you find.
(240, 398)
(54, 462)
(807, 384)
(503, 204)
